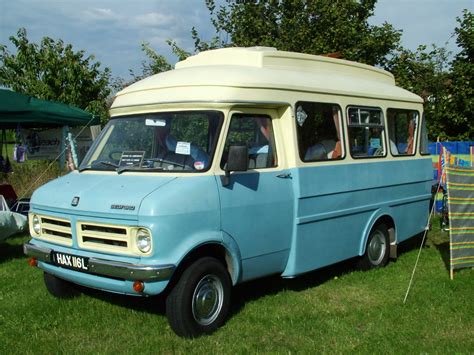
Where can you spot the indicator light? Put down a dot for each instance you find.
(138, 286)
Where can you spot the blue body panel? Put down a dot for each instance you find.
(287, 222)
(257, 210)
(97, 192)
(180, 218)
(104, 283)
(98, 282)
(338, 204)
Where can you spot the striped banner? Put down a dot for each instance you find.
(460, 183)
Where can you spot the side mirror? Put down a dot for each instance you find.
(237, 160)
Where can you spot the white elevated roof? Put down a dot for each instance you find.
(267, 57)
(261, 68)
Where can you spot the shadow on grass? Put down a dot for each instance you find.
(272, 285)
(439, 239)
(241, 294)
(152, 305)
(411, 244)
(443, 249)
(9, 250)
(434, 239)
(252, 290)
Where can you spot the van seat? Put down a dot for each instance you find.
(316, 152)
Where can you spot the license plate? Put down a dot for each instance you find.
(70, 261)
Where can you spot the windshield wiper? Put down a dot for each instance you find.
(132, 168)
(109, 163)
(95, 163)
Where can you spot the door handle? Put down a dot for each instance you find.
(284, 176)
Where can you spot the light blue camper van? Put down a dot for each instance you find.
(240, 163)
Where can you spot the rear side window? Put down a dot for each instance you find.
(402, 126)
(255, 131)
(319, 131)
(366, 132)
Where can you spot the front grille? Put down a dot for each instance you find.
(107, 238)
(56, 230)
(100, 237)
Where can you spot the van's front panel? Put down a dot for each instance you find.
(95, 252)
(112, 222)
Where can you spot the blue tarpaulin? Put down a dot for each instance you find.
(453, 147)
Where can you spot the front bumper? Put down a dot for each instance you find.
(109, 268)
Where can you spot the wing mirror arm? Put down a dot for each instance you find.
(225, 179)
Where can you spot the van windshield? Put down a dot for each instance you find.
(167, 141)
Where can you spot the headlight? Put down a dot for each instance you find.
(143, 240)
(36, 224)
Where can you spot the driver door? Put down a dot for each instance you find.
(257, 205)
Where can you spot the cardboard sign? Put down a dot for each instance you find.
(43, 145)
(132, 158)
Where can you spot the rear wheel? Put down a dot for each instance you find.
(60, 288)
(199, 302)
(377, 248)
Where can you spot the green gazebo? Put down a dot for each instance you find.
(29, 112)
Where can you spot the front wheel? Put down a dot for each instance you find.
(377, 248)
(199, 302)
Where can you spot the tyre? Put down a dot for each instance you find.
(377, 248)
(60, 288)
(199, 302)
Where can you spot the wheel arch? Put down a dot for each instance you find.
(380, 217)
(229, 255)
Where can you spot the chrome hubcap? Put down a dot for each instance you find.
(207, 299)
(376, 248)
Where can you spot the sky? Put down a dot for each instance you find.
(112, 30)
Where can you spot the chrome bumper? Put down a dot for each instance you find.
(108, 268)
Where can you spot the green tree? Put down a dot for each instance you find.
(52, 70)
(326, 26)
(314, 27)
(447, 88)
(306, 26)
(460, 92)
(425, 73)
(155, 64)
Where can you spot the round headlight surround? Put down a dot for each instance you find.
(36, 222)
(143, 240)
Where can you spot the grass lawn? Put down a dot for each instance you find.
(336, 309)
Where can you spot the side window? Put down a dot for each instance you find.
(366, 132)
(256, 131)
(319, 131)
(402, 130)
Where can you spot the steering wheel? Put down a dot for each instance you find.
(115, 155)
